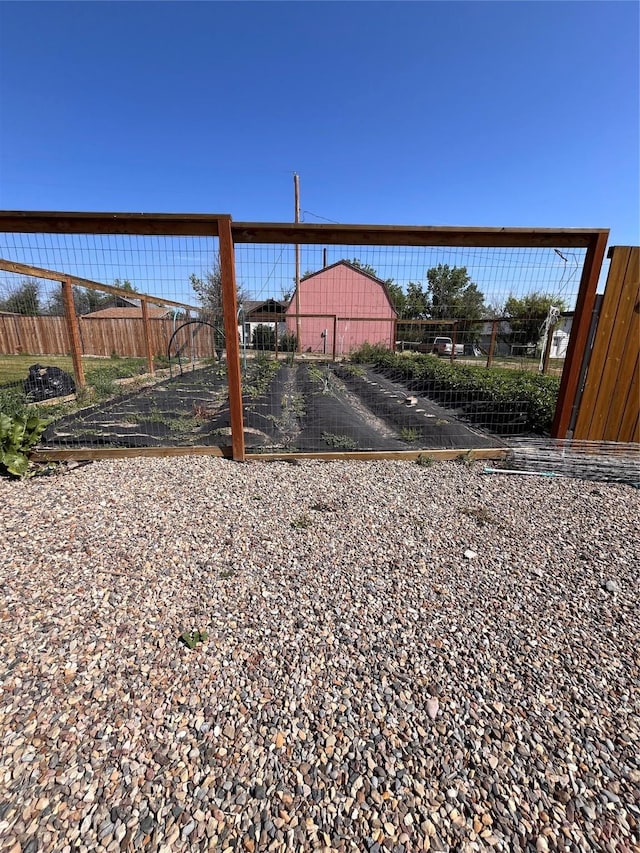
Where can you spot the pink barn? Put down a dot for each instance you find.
(350, 302)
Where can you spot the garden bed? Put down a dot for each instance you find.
(288, 407)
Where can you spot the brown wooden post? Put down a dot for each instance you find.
(275, 337)
(492, 343)
(147, 336)
(230, 311)
(335, 335)
(454, 340)
(395, 334)
(73, 331)
(547, 350)
(579, 333)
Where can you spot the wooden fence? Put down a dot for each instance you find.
(609, 409)
(101, 336)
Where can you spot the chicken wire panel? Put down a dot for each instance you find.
(391, 348)
(151, 381)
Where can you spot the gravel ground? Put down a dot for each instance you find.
(399, 658)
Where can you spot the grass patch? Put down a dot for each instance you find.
(15, 368)
(301, 522)
(424, 460)
(340, 442)
(409, 434)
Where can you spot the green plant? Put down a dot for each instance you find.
(18, 434)
(288, 342)
(301, 522)
(425, 460)
(12, 402)
(409, 434)
(353, 369)
(341, 442)
(467, 459)
(506, 401)
(225, 574)
(192, 638)
(264, 337)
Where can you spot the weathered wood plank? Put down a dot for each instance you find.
(579, 333)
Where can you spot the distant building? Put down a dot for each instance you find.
(360, 303)
(253, 313)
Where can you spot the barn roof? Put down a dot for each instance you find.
(343, 263)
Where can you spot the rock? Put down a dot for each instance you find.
(470, 555)
(612, 586)
(432, 707)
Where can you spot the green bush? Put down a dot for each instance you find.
(507, 401)
(18, 434)
(288, 342)
(12, 402)
(264, 337)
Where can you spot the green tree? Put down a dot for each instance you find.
(453, 296)
(527, 314)
(24, 298)
(85, 301)
(125, 285)
(417, 302)
(209, 293)
(397, 297)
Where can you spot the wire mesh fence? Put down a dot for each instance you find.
(150, 332)
(396, 348)
(132, 356)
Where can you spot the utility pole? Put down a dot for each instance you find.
(296, 192)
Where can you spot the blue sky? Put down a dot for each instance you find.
(499, 114)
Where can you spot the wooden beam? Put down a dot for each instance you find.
(206, 225)
(52, 275)
(412, 235)
(232, 346)
(153, 224)
(579, 333)
(372, 455)
(147, 336)
(73, 331)
(81, 454)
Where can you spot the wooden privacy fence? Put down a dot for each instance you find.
(100, 336)
(609, 408)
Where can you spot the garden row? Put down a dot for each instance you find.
(506, 401)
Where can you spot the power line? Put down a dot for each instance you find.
(334, 221)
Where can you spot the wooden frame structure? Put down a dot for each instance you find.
(231, 233)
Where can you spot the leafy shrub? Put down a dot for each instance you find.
(12, 402)
(508, 401)
(288, 342)
(264, 337)
(18, 434)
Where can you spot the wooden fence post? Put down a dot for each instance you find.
(547, 350)
(147, 335)
(230, 311)
(73, 331)
(454, 341)
(492, 343)
(579, 333)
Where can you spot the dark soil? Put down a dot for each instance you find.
(307, 407)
